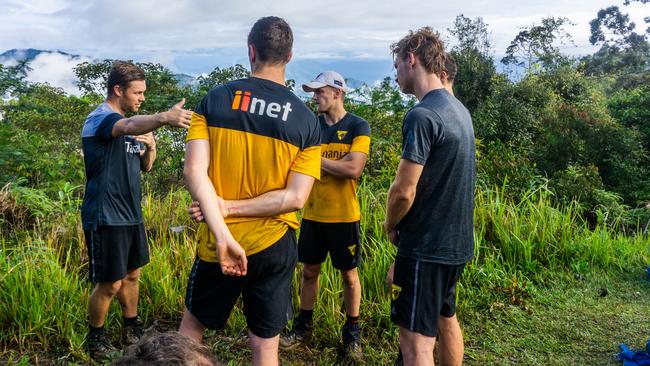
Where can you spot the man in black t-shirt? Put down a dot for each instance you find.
(115, 150)
(430, 205)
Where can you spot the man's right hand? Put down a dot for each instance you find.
(232, 257)
(393, 236)
(389, 276)
(177, 116)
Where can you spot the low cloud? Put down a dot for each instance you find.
(54, 68)
(126, 29)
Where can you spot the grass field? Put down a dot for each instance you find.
(543, 288)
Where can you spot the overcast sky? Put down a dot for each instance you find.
(187, 33)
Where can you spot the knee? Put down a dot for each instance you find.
(132, 276)
(310, 273)
(350, 278)
(109, 288)
(447, 325)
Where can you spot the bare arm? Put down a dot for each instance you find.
(148, 156)
(139, 125)
(401, 195)
(231, 255)
(349, 166)
(289, 199)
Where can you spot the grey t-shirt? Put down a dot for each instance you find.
(439, 227)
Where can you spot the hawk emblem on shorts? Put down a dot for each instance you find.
(341, 134)
(351, 248)
(395, 291)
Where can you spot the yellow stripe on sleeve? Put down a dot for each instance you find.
(361, 144)
(198, 128)
(308, 162)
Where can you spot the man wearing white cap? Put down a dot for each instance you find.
(331, 216)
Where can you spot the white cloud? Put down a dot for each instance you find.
(119, 28)
(194, 36)
(57, 70)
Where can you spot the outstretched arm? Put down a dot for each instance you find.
(231, 255)
(139, 125)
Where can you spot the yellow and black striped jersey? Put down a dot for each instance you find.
(334, 199)
(258, 131)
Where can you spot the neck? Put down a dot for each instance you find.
(425, 82)
(273, 73)
(335, 115)
(114, 104)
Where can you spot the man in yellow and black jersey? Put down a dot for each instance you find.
(331, 216)
(253, 153)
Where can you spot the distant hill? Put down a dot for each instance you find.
(184, 79)
(30, 54)
(55, 67)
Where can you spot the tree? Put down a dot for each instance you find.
(623, 51)
(534, 47)
(476, 68)
(617, 24)
(12, 78)
(632, 109)
(221, 76)
(92, 77)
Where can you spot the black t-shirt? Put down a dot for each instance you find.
(439, 227)
(112, 196)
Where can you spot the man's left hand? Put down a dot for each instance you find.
(148, 140)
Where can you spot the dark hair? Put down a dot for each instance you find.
(122, 73)
(426, 45)
(170, 348)
(272, 39)
(451, 69)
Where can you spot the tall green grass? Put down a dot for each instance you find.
(44, 287)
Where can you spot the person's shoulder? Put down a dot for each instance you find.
(359, 124)
(101, 111)
(301, 110)
(419, 111)
(459, 105)
(357, 120)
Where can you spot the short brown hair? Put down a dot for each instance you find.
(169, 348)
(122, 73)
(426, 45)
(451, 69)
(272, 38)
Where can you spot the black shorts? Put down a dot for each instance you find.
(266, 289)
(421, 292)
(114, 250)
(340, 240)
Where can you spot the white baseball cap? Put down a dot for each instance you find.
(327, 78)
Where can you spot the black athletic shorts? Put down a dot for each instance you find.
(421, 291)
(266, 289)
(114, 250)
(340, 240)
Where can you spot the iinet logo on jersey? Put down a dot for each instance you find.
(246, 103)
